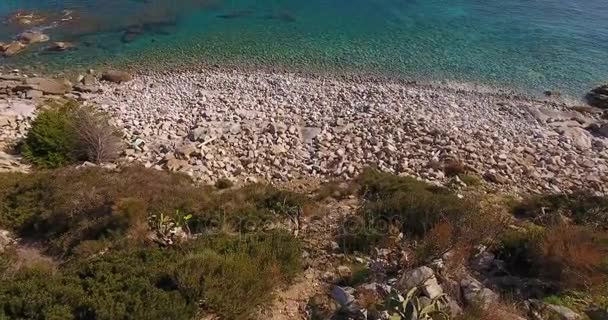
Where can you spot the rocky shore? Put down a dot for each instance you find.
(212, 124)
(248, 125)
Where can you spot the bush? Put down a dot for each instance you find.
(68, 206)
(581, 207)
(571, 257)
(231, 276)
(118, 286)
(411, 206)
(224, 183)
(575, 257)
(86, 208)
(67, 133)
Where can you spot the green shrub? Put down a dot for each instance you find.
(67, 133)
(581, 207)
(67, 206)
(118, 286)
(51, 140)
(517, 248)
(412, 206)
(231, 276)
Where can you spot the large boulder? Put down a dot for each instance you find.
(474, 293)
(580, 137)
(422, 277)
(598, 97)
(116, 76)
(48, 86)
(30, 37)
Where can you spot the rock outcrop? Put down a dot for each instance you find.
(598, 97)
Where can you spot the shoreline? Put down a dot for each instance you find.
(215, 122)
(150, 65)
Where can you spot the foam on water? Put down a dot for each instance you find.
(526, 45)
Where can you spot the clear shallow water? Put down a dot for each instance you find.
(528, 45)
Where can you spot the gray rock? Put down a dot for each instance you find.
(48, 86)
(474, 293)
(343, 295)
(11, 49)
(423, 277)
(562, 313)
(34, 94)
(483, 261)
(30, 37)
(61, 46)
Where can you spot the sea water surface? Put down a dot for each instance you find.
(526, 45)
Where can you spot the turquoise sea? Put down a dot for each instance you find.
(527, 45)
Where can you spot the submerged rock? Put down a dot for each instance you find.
(61, 46)
(598, 97)
(30, 37)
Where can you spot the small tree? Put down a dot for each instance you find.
(67, 133)
(96, 140)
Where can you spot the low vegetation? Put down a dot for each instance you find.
(557, 243)
(434, 217)
(66, 133)
(124, 246)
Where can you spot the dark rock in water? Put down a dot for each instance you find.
(61, 46)
(132, 33)
(236, 14)
(116, 76)
(598, 97)
(281, 16)
(550, 93)
(30, 37)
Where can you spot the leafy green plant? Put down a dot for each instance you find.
(409, 307)
(170, 229)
